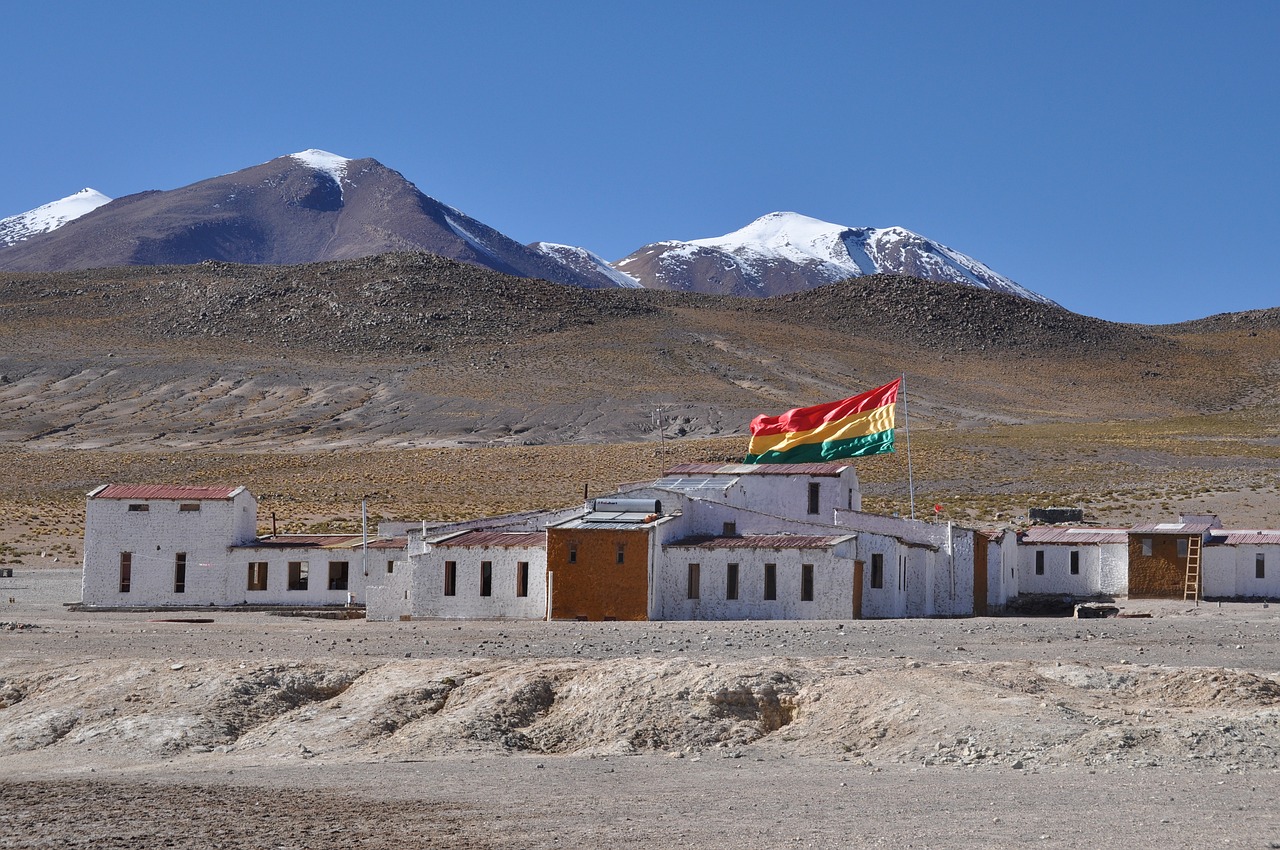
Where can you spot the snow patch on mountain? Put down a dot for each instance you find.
(50, 216)
(824, 253)
(327, 163)
(582, 260)
(468, 237)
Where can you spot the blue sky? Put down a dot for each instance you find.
(1120, 158)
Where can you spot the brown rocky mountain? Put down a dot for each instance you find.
(413, 349)
(305, 207)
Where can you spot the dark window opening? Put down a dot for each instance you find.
(770, 581)
(877, 570)
(814, 488)
(1259, 565)
(695, 581)
(139, 507)
(180, 572)
(1039, 562)
(188, 507)
(622, 553)
(450, 578)
(299, 575)
(806, 582)
(573, 551)
(730, 529)
(257, 576)
(731, 582)
(126, 571)
(337, 575)
(522, 578)
(486, 578)
(1075, 562)
(391, 566)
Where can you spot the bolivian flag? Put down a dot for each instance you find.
(853, 427)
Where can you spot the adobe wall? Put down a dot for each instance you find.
(1160, 575)
(595, 586)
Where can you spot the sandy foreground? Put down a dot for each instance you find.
(123, 730)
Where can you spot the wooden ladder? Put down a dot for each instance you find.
(1191, 589)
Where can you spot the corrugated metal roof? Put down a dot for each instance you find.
(1246, 538)
(1197, 527)
(513, 539)
(758, 541)
(1080, 536)
(306, 541)
(389, 543)
(829, 470)
(164, 491)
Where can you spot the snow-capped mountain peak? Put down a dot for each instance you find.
(50, 216)
(328, 163)
(788, 252)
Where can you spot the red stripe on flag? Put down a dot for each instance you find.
(808, 418)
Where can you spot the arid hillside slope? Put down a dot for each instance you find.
(414, 350)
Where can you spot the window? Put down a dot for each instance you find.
(298, 574)
(486, 578)
(814, 488)
(1146, 547)
(850, 498)
(180, 572)
(137, 508)
(622, 553)
(391, 566)
(573, 551)
(877, 570)
(1075, 562)
(257, 575)
(731, 582)
(126, 571)
(1039, 562)
(337, 575)
(902, 572)
(522, 578)
(450, 578)
(1259, 565)
(770, 581)
(1182, 547)
(188, 507)
(806, 582)
(730, 529)
(695, 580)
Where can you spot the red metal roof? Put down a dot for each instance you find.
(757, 541)
(165, 491)
(1081, 536)
(822, 469)
(514, 539)
(389, 543)
(1245, 538)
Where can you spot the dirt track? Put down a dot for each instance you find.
(262, 731)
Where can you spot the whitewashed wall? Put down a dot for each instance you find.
(424, 581)
(318, 591)
(1231, 571)
(832, 584)
(154, 537)
(1104, 569)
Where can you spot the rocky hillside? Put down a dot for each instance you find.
(416, 350)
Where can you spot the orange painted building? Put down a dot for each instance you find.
(598, 573)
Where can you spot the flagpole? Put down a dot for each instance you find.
(906, 427)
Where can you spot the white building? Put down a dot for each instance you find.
(705, 541)
(1073, 561)
(164, 545)
(1242, 564)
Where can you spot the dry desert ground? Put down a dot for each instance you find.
(246, 730)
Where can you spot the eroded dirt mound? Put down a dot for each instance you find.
(1011, 714)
